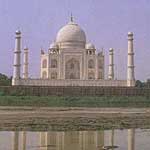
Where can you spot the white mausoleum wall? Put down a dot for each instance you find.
(47, 82)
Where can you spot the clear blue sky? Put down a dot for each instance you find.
(106, 23)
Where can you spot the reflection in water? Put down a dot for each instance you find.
(76, 140)
(71, 140)
(50, 140)
(112, 137)
(23, 140)
(15, 137)
(131, 139)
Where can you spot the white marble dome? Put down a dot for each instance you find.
(71, 33)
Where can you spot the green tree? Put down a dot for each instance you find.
(5, 80)
(139, 84)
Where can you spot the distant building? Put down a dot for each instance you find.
(71, 61)
(148, 83)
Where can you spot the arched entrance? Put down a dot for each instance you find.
(72, 69)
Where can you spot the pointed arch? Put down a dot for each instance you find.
(91, 64)
(44, 74)
(44, 63)
(53, 63)
(54, 75)
(91, 75)
(72, 69)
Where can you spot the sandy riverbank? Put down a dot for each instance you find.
(43, 118)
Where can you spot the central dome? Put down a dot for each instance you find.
(71, 33)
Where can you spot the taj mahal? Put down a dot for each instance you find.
(71, 61)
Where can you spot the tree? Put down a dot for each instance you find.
(139, 84)
(4, 80)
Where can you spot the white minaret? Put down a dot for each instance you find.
(25, 63)
(111, 64)
(17, 58)
(130, 69)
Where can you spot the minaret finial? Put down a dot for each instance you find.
(71, 18)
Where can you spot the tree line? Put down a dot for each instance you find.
(143, 84)
(5, 80)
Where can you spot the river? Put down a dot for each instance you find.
(125, 139)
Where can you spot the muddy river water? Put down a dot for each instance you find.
(126, 139)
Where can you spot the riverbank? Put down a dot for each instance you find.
(73, 91)
(61, 119)
(76, 101)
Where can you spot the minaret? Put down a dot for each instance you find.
(17, 57)
(111, 64)
(71, 18)
(130, 69)
(25, 63)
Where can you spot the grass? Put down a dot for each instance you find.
(60, 101)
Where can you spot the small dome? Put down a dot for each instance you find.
(130, 33)
(90, 46)
(53, 46)
(111, 49)
(18, 32)
(72, 34)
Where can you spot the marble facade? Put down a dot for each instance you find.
(71, 60)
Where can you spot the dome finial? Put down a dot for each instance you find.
(71, 18)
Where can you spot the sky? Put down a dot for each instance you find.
(105, 22)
